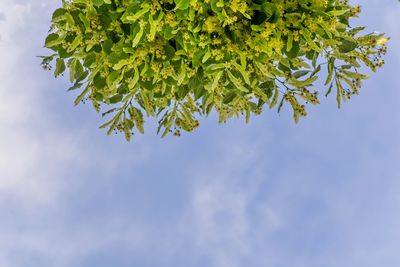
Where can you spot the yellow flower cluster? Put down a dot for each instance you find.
(170, 19)
(212, 24)
(239, 6)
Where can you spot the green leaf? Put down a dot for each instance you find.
(139, 14)
(99, 81)
(275, 99)
(269, 9)
(116, 98)
(207, 55)
(339, 91)
(331, 66)
(216, 80)
(58, 15)
(138, 118)
(81, 96)
(300, 73)
(70, 19)
(337, 13)
(264, 70)
(85, 21)
(182, 4)
(242, 72)
(72, 69)
(236, 82)
(197, 58)
(303, 83)
(132, 84)
(77, 85)
(355, 75)
(289, 43)
(53, 40)
(229, 97)
(169, 51)
(90, 60)
(138, 37)
(294, 52)
(308, 37)
(281, 104)
(82, 77)
(347, 46)
(60, 67)
(98, 2)
(113, 78)
(329, 90)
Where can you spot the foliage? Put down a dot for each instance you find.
(179, 59)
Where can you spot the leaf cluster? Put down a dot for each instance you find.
(177, 60)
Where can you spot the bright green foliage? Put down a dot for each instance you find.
(180, 59)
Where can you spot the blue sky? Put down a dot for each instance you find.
(323, 193)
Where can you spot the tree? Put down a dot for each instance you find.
(179, 59)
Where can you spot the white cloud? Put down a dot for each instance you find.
(41, 162)
(239, 215)
(11, 17)
(37, 151)
(21, 152)
(224, 220)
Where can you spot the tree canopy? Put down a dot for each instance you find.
(177, 60)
